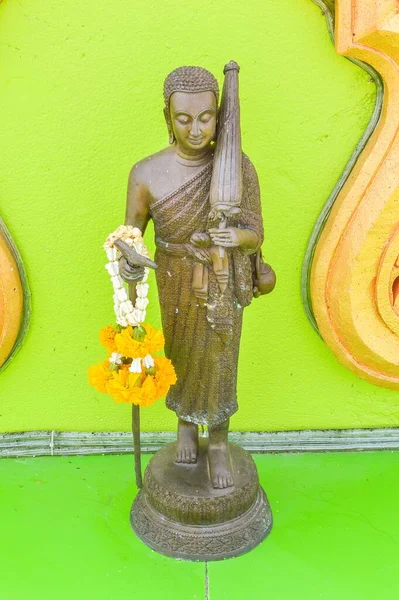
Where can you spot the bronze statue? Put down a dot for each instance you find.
(203, 196)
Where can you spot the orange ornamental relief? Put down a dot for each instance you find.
(354, 281)
(14, 311)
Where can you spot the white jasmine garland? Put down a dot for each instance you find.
(142, 290)
(127, 314)
(142, 303)
(112, 268)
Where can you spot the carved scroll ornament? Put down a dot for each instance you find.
(355, 271)
(14, 298)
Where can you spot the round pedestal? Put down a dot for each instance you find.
(180, 514)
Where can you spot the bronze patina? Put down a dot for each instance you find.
(201, 501)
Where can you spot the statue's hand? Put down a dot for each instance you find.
(201, 240)
(231, 237)
(128, 272)
(199, 254)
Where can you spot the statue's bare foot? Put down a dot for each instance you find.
(220, 466)
(187, 442)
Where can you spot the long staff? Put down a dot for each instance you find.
(134, 259)
(136, 418)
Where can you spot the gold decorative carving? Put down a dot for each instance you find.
(355, 271)
(11, 298)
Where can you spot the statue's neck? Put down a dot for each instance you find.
(194, 160)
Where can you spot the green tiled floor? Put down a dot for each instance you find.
(65, 533)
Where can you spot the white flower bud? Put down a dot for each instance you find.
(135, 367)
(131, 320)
(121, 295)
(136, 232)
(115, 358)
(136, 314)
(140, 315)
(142, 290)
(112, 268)
(148, 361)
(117, 282)
(111, 254)
(142, 303)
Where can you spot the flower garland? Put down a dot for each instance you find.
(127, 314)
(131, 373)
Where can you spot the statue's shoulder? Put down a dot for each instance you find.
(148, 168)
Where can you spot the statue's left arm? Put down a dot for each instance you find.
(248, 234)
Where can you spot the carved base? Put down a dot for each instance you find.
(179, 514)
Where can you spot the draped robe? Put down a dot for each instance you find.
(206, 366)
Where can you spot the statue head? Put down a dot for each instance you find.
(191, 98)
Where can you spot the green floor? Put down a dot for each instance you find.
(65, 533)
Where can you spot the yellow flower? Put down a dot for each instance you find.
(129, 347)
(148, 392)
(154, 339)
(107, 338)
(126, 345)
(165, 375)
(99, 375)
(123, 386)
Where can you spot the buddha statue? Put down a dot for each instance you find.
(201, 498)
(204, 273)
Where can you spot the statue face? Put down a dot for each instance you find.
(193, 117)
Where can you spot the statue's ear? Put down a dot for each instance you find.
(166, 114)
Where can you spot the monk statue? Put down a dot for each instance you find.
(203, 198)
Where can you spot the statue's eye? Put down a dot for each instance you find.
(206, 117)
(183, 119)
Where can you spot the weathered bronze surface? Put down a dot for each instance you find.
(202, 194)
(179, 514)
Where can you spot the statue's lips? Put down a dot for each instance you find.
(196, 141)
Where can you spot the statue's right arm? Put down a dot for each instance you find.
(137, 215)
(138, 200)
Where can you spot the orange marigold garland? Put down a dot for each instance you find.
(131, 374)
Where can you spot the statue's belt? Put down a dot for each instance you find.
(175, 249)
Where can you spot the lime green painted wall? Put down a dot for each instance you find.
(80, 102)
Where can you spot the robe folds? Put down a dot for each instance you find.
(206, 366)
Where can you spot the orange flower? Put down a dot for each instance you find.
(154, 339)
(126, 345)
(148, 392)
(129, 347)
(123, 386)
(99, 375)
(107, 338)
(165, 375)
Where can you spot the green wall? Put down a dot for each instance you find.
(80, 102)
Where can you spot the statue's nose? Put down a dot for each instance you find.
(195, 129)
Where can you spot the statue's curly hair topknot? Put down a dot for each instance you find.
(189, 79)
